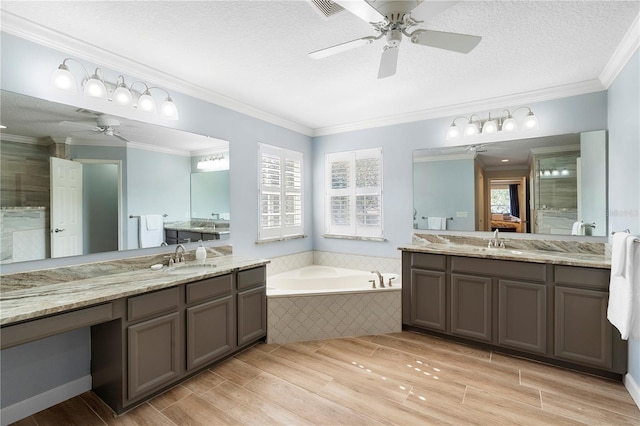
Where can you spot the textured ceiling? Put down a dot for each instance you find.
(255, 52)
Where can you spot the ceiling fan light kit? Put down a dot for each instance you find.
(504, 124)
(392, 19)
(95, 86)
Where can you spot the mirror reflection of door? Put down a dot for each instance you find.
(66, 207)
(507, 204)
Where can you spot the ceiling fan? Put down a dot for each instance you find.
(103, 124)
(392, 20)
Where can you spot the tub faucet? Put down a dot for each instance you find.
(380, 279)
(496, 241)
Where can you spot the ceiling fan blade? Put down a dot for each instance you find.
(362, 10)
(122, 138)
(388, 62)
(462, 43)
(342, 47)
(428, 9)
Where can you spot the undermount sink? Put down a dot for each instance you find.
(190, 269)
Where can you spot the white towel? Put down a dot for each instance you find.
(634, 277)
(437, 223)
(154, 221)
(577, 228)
(620, 311)
(149, 237)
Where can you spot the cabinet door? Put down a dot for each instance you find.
(252, 315)
(153, 354)
(582, 332)
(471, 306)
(522, 315)
(209, 331)
(428, 299)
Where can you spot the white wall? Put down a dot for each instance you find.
(624, 175)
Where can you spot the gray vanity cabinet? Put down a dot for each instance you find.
(425, 295)
(471, 310)
(522, 315)
(210, 318)
(252, 305)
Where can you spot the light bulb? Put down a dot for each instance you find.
(490, 126)
(471, 129)
(146, 102)
(530, 122)
(555, 173)
(509, 125)
(95, 88)
(168, 109)
(565, 172)
(62, 79)
(122, 96)
(453, 132)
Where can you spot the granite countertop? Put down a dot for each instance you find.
(204, 228)
(601, 261)
(571, 252)
(20, 301)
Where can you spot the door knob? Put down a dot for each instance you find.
(58, 230)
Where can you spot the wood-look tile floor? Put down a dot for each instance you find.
(401, 378)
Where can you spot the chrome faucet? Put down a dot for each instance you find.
(380, 279)
(179, 257)
(496, 241)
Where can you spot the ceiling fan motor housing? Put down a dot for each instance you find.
(394, 37)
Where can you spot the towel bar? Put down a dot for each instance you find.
(132, 216)
(635, 240)
(447, 218)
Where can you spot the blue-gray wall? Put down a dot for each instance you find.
(624, 169)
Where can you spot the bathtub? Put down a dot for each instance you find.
(318, 280)
(321, 302)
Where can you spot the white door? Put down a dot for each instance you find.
(66, 207)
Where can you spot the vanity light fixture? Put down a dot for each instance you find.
(213, 163)
(505, 123)
(95, 86)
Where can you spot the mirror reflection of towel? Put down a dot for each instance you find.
(437, 223)
(150, 231)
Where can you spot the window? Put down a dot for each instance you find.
(500, 200)
(353, 200)
(280, 193)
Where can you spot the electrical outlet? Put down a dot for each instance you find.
(462, 214)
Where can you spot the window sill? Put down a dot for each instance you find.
(354, 237)
(275, 240)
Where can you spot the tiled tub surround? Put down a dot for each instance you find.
(558, 252)
(30, 295)
(23, 234)
(293, 318)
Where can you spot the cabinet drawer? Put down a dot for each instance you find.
(151, 304)
(208, 289)
(594, 278)
(251, 278)
(501, 268)
(428, 261)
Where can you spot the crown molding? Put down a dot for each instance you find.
(52, 39)
(623, 53)
(564, 91)
(426, 157)
(156, 148)
(8, 137)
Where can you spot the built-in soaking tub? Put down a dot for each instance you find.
(321, 302)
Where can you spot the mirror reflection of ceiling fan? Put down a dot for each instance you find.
(103, 124)
(392, 20)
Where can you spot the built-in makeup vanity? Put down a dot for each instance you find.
(545, 300)
(150, 328)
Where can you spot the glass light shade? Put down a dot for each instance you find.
(530, 122)
(122, 96)
(471, 129)
(490, 126)
(146, 102)
(555, 173)
(95, 88)
(509, 125)
(168, 109)
(564, 172)
(453, 132)
(63, 79)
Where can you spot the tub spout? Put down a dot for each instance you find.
(380, 279)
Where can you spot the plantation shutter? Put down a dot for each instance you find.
(280, 192)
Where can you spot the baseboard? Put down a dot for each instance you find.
(22, 409)
(633, 387)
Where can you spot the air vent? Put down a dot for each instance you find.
(326, 8)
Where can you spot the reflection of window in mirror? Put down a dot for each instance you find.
(500, 200)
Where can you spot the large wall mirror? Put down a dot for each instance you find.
(546, 185)
(76, 182)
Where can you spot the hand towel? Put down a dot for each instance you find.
(154, 221)
(633, 272)
(437, 223)
(577, 228)
(149, 237)
(621, 286)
